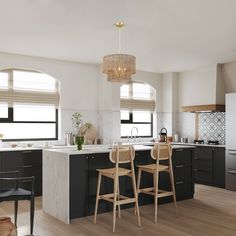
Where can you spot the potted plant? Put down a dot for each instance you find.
(79, 137)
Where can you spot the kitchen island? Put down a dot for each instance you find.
(70, 179)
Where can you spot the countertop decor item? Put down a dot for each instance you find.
(77, 121)
(89, 132)
(7, 228)
(163, 135)
(86, 133)
(119, 67)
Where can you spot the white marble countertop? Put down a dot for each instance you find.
(7, 149)
(201, 145)
(97, 148)
(90, 149)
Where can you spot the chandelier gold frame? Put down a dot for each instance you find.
(119, 67)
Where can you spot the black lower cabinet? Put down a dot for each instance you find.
(183, 173)
(219, 167)
(203, 165)
(84, 177)
(28, 163)
(209, 166)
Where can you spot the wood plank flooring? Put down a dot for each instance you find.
(212, 212)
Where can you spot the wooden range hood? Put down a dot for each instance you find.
(204, 108)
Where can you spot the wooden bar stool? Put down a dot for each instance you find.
(160, 152)
(119, 155)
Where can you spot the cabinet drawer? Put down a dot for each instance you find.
(28, 171)
(182, 172)
(182, 156)
(204, 165)
(203, 153)
(33, 158)
(203, 176)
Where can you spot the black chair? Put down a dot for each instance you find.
(8, 192)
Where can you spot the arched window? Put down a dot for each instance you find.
(137, 107)
(29, 103)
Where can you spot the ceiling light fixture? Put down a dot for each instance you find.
(119, 67)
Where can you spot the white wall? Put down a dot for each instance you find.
(85, 89)
(79, 81)
(170, 94)
(109, 104)
(79, 84)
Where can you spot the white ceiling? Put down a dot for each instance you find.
(164, 35)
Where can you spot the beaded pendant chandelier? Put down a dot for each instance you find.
(119, 67)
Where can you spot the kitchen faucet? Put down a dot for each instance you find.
(132, 132)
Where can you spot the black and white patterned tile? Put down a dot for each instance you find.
(212, 126)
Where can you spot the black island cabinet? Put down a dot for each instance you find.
(83, 180)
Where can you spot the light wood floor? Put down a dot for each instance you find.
(212, 212)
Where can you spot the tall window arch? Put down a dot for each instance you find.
(137, 102)
(29, 102)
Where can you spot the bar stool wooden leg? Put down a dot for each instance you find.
(173, 189)
(135, 195)
(114, 202)
(118, 197)
(138, 186)
(97, 197)
(155, 184)
(139, 179)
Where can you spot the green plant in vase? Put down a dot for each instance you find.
(79, 141)
(79, 137)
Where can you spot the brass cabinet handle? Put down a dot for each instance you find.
(179, 182)
(86, 157)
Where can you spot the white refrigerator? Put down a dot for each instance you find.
(230, 172)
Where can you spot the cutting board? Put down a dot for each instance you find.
(91, 134)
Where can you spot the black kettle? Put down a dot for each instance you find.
(163, 135)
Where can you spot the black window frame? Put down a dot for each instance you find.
(11, 120)
(130, 121)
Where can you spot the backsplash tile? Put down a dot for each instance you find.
(212, 126)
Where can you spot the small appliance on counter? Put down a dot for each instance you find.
(163, 135)
(69, 139)
(176, 138)
(213, 142)
(198, 141)
(184, 140)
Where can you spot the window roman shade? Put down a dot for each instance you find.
(134, 104)
(26, 97)
(29, 87)
(137, 96)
